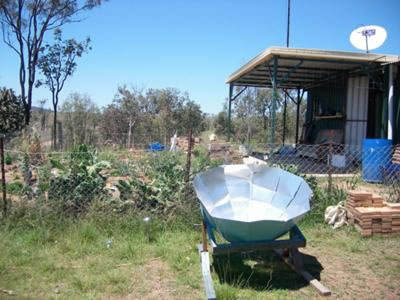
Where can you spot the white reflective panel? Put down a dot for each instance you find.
(250, 193)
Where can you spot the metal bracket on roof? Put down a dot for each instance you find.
(326, 79)
(291, 70)
(238, 94)
(292, 98)
(270, 73)
(369, 72)
(333, 61)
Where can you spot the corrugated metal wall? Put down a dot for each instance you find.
(356, 111)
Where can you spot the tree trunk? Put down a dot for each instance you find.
(27, 114)
(60, 135)
(129, 133)
(248, 132)
(43, 121)
(55, 128)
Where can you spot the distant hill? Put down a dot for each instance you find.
(39, 109)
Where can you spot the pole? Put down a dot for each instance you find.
(204, 236)
(284, 120)
(188, 164)
(3, 175)
(274, 100)
(297, 115)
(330, 162)
(229, 111)
(288, 25)
(390, 105)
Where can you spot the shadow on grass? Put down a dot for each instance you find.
(262, 271)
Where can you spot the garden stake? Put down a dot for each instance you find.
(3, 175)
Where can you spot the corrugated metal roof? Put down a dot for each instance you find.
(304, 68)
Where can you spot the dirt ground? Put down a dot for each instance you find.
(155, 281)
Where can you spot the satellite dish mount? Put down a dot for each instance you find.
(367, 33)
(368, 37)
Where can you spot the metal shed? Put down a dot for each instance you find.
(339, 85)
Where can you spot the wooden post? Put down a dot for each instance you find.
(3, 175)
(204, 236)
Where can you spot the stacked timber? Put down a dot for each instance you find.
(371, 215)
(183, 143)
(224, 151)
(396, 155)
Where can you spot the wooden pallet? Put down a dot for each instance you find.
(396, 155)
(371, 215)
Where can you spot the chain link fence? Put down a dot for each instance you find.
(156, 180)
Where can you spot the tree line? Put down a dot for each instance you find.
(135, 118)
(251, 117)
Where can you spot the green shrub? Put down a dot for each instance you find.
(158, 185)
(44, 176)
(123, 168)
(13, 188)
(202, 160)
(8, 159)
(78, 186)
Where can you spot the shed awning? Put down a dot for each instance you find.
(305, 68)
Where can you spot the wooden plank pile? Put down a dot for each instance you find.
(396, 156)
(183, 143)
(224, 151)
(371, 215)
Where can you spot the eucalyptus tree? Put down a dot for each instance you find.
(11, 112)
(190, 117)
(246, 110)
(81, 120)
(57, 63)
(130, 102)
(25, 24)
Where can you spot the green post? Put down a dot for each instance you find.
(229, 111)
(297, 115)
(274, 100)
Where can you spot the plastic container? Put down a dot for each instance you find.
(376, 157)
(156, 146)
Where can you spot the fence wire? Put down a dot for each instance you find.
(149, 179)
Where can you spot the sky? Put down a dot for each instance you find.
(194, 45)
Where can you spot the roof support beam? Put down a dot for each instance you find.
(274, 100)
(229, 110)
(333, 61)
(262, 69)
(239, 93)
(231, 99)
(295, 78)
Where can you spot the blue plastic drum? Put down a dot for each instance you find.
(376, 157)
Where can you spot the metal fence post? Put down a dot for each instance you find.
(188, 163)
(330, 162)
(3, 175)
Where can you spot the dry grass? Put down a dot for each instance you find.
(71, 260)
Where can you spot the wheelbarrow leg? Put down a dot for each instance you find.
(296, 258)
(296, 264)
(205, 265)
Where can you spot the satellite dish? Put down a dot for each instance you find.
(368, 37)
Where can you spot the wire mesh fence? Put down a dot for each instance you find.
(157, 179)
